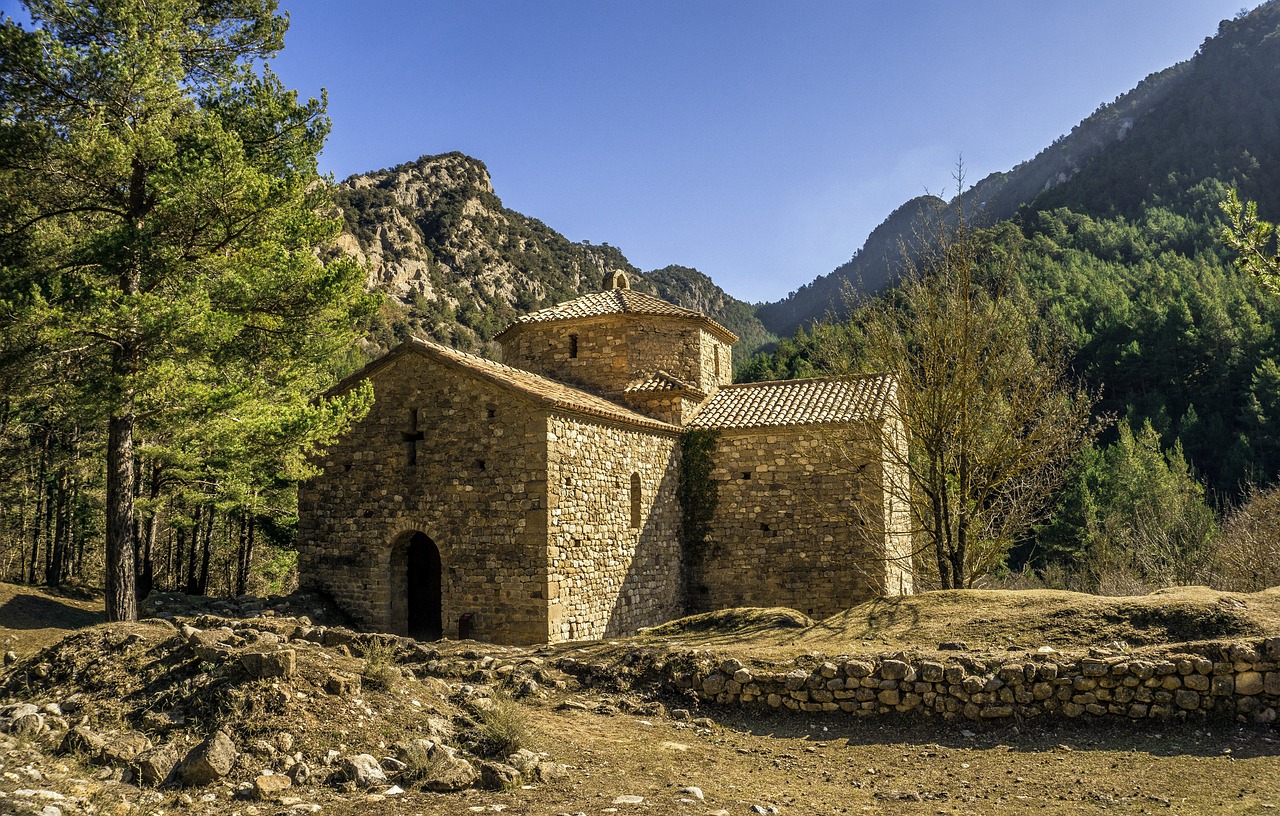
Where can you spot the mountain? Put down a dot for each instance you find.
(459, 266)
(1121, 146)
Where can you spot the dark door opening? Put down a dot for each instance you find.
(424, 590)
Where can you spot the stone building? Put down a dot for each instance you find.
(537, 499)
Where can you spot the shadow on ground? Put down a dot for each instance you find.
(36, 612)
(1210, 738)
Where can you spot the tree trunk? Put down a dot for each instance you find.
(121, 591)
(57, 554)
(202, 584)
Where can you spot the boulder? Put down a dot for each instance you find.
(364, 770)
(499, 776)
(342, 685)
(124, 749)
(265, 664)
(82, 740)
(156, 766)
(209, 761)
(27, 725)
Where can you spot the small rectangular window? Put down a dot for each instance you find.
(573, 346)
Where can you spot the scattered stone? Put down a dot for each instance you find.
(270, 786)
(693, 791)
(156, 765)
(364, 770)
(629, 799)
(262, 665)
(499, 776)
(209, 761)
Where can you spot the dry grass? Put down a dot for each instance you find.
(986, 620)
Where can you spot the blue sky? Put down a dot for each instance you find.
(757, 141)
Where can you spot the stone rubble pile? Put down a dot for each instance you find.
(170, 750)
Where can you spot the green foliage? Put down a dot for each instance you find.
(160, 210)
(698, 498)
(380, 670)
(1133, 518)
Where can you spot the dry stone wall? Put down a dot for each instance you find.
(793, 527)
(457, 459)
(1240, 680)
(613, 528)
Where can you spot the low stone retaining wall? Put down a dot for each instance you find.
(1240, 680)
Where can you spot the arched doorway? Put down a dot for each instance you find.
(416, 588)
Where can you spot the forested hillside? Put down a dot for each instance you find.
(1124, 257)
(459, 266)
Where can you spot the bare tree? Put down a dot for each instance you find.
(985, 396)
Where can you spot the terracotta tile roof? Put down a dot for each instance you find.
(662, 381)
(797, 402)
(617, 301)
(546, 391)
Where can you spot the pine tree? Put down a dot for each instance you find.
(160, 208)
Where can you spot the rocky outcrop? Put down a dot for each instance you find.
(435, 236)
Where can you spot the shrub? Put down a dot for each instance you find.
(504, 728)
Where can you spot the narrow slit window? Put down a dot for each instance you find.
(717, 369)
(635, 501)
(573, 346)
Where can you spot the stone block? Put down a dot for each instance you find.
(261, 665)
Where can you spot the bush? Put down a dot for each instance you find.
(504, 728)
(1247, 558)
(380, 671)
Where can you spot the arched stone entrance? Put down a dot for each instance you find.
(416, 587)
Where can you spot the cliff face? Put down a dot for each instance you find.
(460, 266)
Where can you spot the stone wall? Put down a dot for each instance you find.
(616, 350)
(476, 488)
(613, 526)
(1240, 680)
(793, 527)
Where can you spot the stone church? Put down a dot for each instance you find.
(536, 500)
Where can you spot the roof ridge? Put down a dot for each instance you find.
(828, 378)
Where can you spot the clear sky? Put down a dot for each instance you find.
(757, 141)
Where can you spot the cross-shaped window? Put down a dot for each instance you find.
(411, 439)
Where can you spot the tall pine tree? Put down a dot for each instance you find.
(160, 210)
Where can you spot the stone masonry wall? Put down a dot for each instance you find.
(1240, 680)
(477, 490)
(616, 350)
(896, 486)
(611, 572)
(792, 528)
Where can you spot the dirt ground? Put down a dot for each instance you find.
(625, 754)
